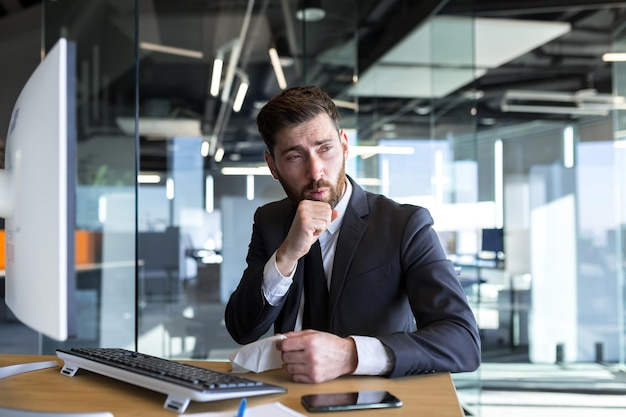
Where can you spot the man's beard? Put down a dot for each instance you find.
(335, 191)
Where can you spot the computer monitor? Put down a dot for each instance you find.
(37, 197)
(493, 240)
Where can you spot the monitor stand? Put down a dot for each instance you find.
(20, 368)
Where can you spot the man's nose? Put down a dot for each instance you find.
(316, 167)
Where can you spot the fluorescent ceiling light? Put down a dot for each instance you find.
(372, 182)
(585, 102)
(241, 95)
(574, 111)
(209, 199)
(160, 127)
(219, 155)
(250, 187)
(241, 91)
(568, 147)
(261, 170)
(614, 57)
(190, 53)
(216, 76)
(169, 188)
(148, 178)
(346, 104)
(205, 147)
(498, 179)
(381, 150)
(278, 68)
(218, 66)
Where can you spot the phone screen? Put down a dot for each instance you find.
(350, 401)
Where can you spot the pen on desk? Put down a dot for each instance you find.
(242, 407)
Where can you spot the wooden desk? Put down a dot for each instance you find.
(47, 390)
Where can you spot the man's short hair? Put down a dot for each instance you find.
(292, 107)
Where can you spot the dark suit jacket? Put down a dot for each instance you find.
(390, 280)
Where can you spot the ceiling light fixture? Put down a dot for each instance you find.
(171, 50)
(614, 57)
(310, 11)
(205, 148)
(278, 68)
(241, 91)
(369, 151)
(209, 145)
(580, 103)
(145, 178)
(160, 127)
(352, 105)
(219, 155)
(260, 170)
(218, 65)
(216, 77)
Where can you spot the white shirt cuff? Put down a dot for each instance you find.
(373, 358)
(275, 284)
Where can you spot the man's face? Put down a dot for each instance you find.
(309, 161)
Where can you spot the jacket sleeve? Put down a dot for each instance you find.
(446, 338)
(248, 316)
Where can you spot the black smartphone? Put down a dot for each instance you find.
(357, 400)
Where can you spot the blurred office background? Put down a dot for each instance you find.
(504, 118)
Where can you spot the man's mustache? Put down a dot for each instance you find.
(319, 184)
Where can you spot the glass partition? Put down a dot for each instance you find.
(415, 142)
(103, 32)
(201, 148)
(550, 293)
(462, 198)
(530, 208)
(617, 239)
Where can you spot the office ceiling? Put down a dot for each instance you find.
(541, 46)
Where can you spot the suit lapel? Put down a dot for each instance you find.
(353, 228)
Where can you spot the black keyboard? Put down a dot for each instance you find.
(181, 382)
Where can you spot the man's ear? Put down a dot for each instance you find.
(343, 137)
(269, 160)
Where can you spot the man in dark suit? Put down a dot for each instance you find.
(391, 303)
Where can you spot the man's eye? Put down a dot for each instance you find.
(293, 157)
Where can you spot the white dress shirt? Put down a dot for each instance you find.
(373, 358)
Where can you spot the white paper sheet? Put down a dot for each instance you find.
(274, 409)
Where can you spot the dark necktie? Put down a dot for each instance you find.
(315, 291)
